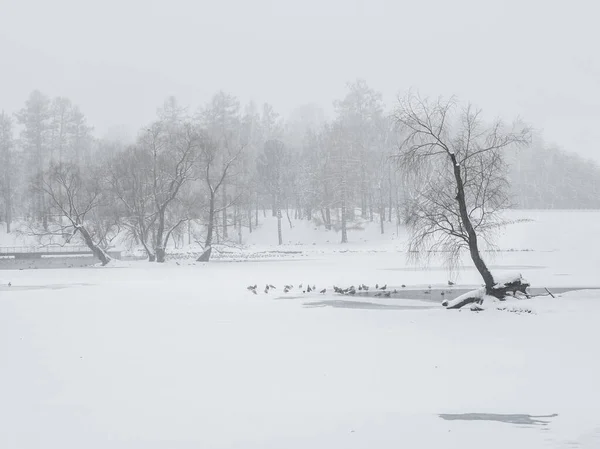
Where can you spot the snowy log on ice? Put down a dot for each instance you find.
(508, 284)
(474, 296)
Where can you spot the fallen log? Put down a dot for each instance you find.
(510, 284)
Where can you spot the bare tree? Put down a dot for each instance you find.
(271, 166)
(8, 166)
(130, 182)
(462, 176)
(173, 146)
(215, 167)
(74, 196)
(35, 121)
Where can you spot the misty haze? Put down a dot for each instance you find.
(319, 224)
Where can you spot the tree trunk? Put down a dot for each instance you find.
(256, 215)
(250, 219)
(363, 192)
(328, 218)
(464, 216)
(224, 211)
(8, 213)
(150, 254)
(159, 249)
(288, 217)
(211, 226)
(240, 225)
(98, 252)
(344, 231)
(382, 218)
(279, 235)
(205, 256)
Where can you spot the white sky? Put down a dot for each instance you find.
(119, 59)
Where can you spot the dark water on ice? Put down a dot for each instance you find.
(522, 419)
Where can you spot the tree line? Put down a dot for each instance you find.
(204, 176)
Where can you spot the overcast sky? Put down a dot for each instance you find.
(119, 59)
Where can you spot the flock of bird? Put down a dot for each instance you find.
(381, 291)
(286, 288)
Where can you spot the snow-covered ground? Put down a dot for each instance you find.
(183, 356)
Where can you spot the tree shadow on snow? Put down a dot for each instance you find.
(522, 419)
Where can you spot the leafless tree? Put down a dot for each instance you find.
(216, 166)
(130, 182)
(7, 168)
(462, 187)
(173, 146)
(271, 166)
(74, 196)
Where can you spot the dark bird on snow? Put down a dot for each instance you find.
(252, 287)
(376, 285)
(314, 287)
(360, 287)
(300, 286)
(254, 291)
(387, 294)
(403, 286)
(323, 291)
(337, 289)
(450, 283)
(378, 294)
(395, 291)
(365, 287)
(267, 289)
(285, 290)
(9, 284)
(443, 293)
(309, 289)
(384, 287)
(272, 286)
(427, 292)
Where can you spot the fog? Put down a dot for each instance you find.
(118, 60)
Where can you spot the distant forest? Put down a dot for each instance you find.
(545, 177)
(217, 165)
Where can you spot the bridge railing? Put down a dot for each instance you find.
(43, 249)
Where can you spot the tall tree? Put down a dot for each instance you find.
(215, 166)
(7, 169)
(74, 196)
(173, 144)
(462, 176)
(129, 177)
(222, 124)
(360, 113)
(271, 166)
(35, 136)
